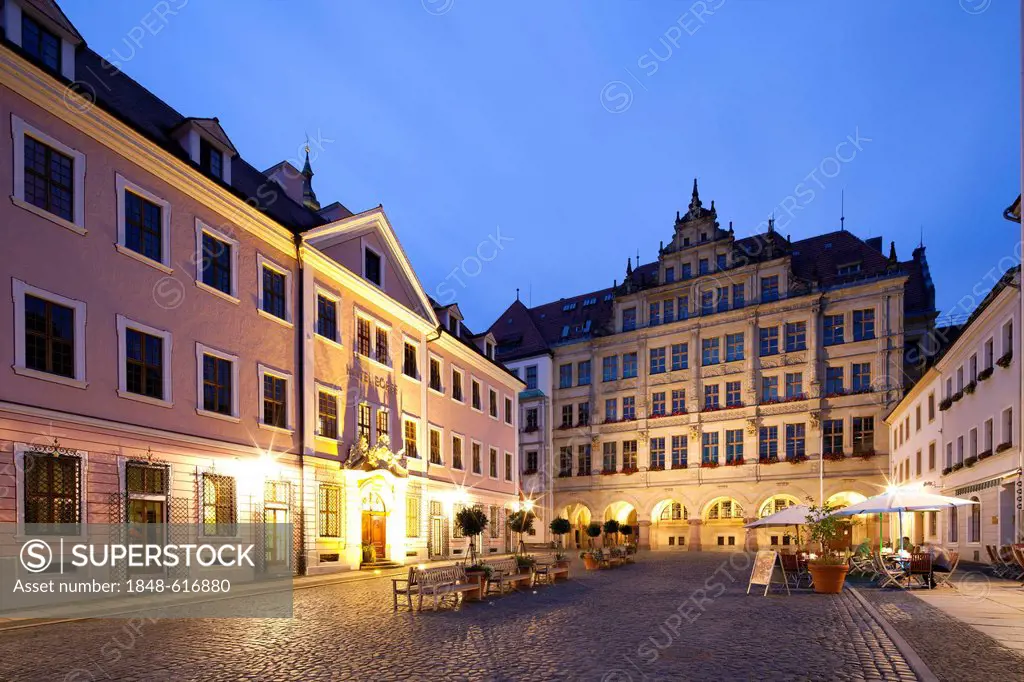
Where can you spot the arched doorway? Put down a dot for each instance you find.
(723, 525)
(788, 537)
(579, 518)
(625, 514)
(858, 528)
(670, 525)
(375, 523)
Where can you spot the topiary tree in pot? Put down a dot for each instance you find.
(471, 522)
(611, 527)
(627, 533)
(521, 522)
(593, 531)
(828, 570)
(560, 527)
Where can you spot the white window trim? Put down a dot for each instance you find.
(264, 262)
(123, 324)
(123, 185)
(375, 415)
(440, 372)
(375, 323)
(497, 463)
(19, 290)
(20, 449)
(469, 458)
(426, 458)
(461, 437)
(318, 388)
(462, 383)
(202, 350)
(497, 406)
(319, 529)
(262, 370)
(511, 478)
(469, 401)
(19, 128)
(400, 370)
(202, 228)
(318, 291)
(383, 264)
(415, 421)
(511, 421)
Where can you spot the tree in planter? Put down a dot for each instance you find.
(611, 527)
(627, 533)
(560, 527)
(471, 522)
(521, 522)
(593, 531)
(829, 569)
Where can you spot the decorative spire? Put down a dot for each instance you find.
(771, 224)
(892, 253)
(695, 204)
(517, 293)
(629, 267)
(308, 195)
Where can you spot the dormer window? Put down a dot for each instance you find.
(453, 324)
(372, 269)
(41, 45)
(489, 350)
(211, 159)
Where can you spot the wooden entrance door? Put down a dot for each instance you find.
(375, 532)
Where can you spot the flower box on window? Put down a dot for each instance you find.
(531, 429)
(768, 460)
(958, 466)
(712, 408)
(734, 462)
(657, 467)
(985, 373)
(629, 470)
(582, 472)
(860, 391)
(945, 404)
(1003, 447)
(957, 396)
(796, 398)
(1004, 361)
(581, 425)
(835, 394)
(796, 459)
(709, 465)
(566, 474)
(864, 454)
(529, 472)
(564, 427)
(734, 406)
(947, 471)
(969, 388)
(985, 454)
(656, 415)
(971, 461)
(676, 413)
(679, 465)
(833, 456)
(608, 472)
(770, 401)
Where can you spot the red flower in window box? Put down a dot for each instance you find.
(733, 406)
(796, 398)
(679, 465)
(735, 462)
(608, 472)
(657, 467)
(629, 470)
(678, 412)
(770, 401)
(835, 394)
(711, 408)
(864, 454)
(656, 415)
(1004, 361)
(709, 465)
(796, 459)
(768, 460)
(833, 456)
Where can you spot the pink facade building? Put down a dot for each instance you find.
(193, 340)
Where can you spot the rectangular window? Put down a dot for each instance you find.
(794, 386)
(860, 377)
(363, 337)
(795, 441)
(931, 456)
(680, 356)
(217, 263)
(628, 407)
(274, 293)
(703, 266)
(219, 506)
(411, 439)
(629, 462)
(683, 307)
(769, 289)
(363, 415)
(435, 445)
(583, 373)
(657, 360)
(738, 297)
(565, 376)
(863, 435)
(492, 403)
(733, 347)
(720, 261)
(144, 368)
(218, 374)
(49, 179)
(670, 275)
(49, 337)
(709, 448)
(383, 423)
(275, 401)
(796, 336)
(769, 389)
(832, 430)
(435, 375)
(707, 302)
(611, 410)
(456, 452)
(583, 414)
(508, 411)
(326, 317)
(711, 397)
(508, 466)
(768, 444)
(628, 319)
(678, 401)
(330, 511)
(654, 314)
(564, 461)
(668, 312)
(834, 381)
(42, 46)
(143, 223)
(989, 353)
(531, 378)
(987, 435)
(413, 504)
(382, 347)
(457, 385)
(833, 330)
(709, 351)
(733, 396)
(566, 416)
(769, 341)
(686, 271)
(863, 325)
(657, 454)
(658, 404)
(583, 454)
(477, 454)
(679, 447)
(722, 300)
(733, 446)
(372, 267)
(931, 407)
(410, 364)
(210, 159)
(610, 461)
(52, 491)
(629, 365)
(610, 368)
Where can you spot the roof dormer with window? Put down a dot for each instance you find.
(208, 146)
(44, 34)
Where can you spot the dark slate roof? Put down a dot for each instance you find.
(523, 332)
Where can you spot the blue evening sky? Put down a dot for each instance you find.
(576, 128)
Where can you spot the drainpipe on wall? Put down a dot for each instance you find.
(301, 372)
(1020, 336)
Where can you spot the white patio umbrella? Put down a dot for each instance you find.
(903, 499)
(790, 516)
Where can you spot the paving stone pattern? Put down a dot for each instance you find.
(952, 649)
(668, 617)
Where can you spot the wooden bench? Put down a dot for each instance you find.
(405, 587)
(547, 572)
(437, 582)
(505, 572)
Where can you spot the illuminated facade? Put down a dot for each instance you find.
(709, 387)
(195, 340)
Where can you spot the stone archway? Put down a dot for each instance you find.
(860, 527)
(626, 514)
(722, 525)
(783, 538)
(580, 517)
(670, 525)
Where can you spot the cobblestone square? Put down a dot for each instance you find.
(682, 616)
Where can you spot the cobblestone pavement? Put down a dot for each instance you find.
(953, 649)
(667, 617)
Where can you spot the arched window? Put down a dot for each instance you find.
(974, 529)
(952, 524)
(673, 512)
(775, 505)
(725, 509)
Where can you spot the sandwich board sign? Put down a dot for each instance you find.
(767, 569)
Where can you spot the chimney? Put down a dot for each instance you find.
(875, 243)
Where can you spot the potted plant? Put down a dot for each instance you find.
(828, 570)
(627, 533)
(561, 560)
(560, 527)
(593, 531)
(369, 553)
(611, 527)
(592, 558)
(525, 564)
(471, 522)
(521, 522)
(478, 574)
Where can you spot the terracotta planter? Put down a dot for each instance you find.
(590, 563)
(476, 578)
(828, 578)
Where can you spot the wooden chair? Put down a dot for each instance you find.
(795, 573)
(405, 587)
(888, 576)
(920, 568)
(944, 578)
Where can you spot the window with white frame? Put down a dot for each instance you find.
(410, 360)
(476, 395)
(49, 335)
(274, 290)
(457, 442)
(217, 382)
(435, 375)
(457, 383)
(410, 437)
(216, 262)
(373, 267)
(143, 223)
(144, 362)
(436, 456)
(49, 177)
(492, 403)
(220, 508)
(275, 407)
(329, 510)
(327, 412)
(51, 490)
(373, 339)
(327, 316)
